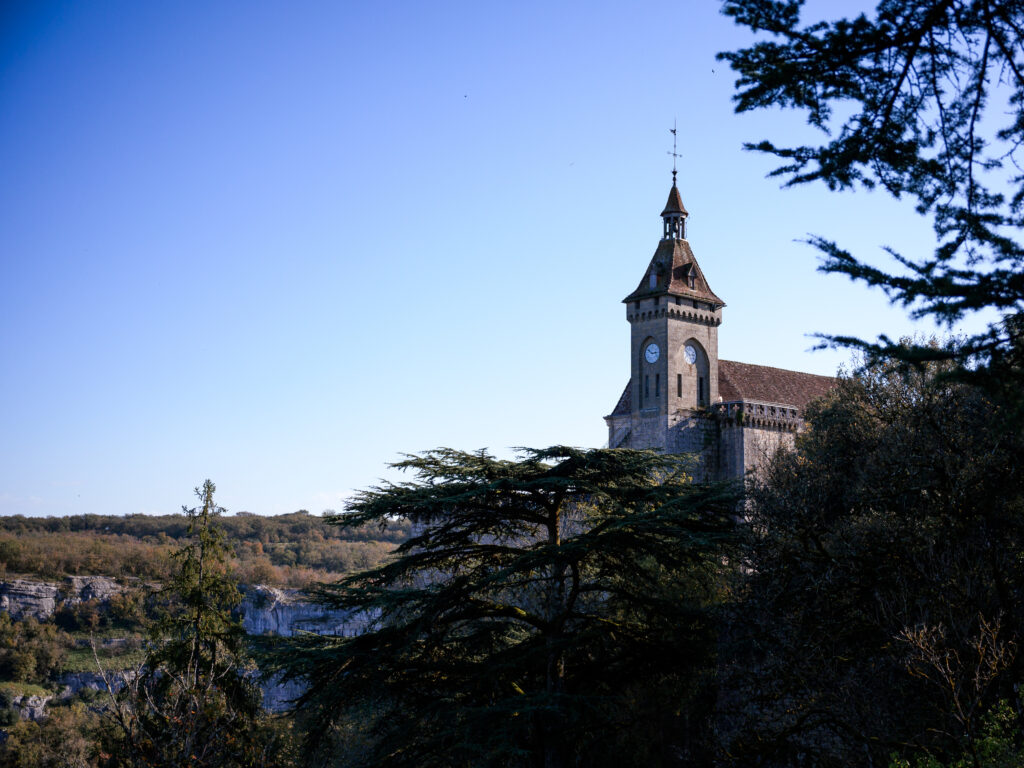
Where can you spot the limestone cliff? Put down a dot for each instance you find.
(79, 589)
(23, 599)
(31, 707)
(263, 611)
(285, 612)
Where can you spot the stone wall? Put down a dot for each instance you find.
(750, 433)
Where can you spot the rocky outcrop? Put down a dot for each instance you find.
(279, 696)
(285, 612)
(73, 682)
(22, 598)
(80, 589)
(263, 611)
(31, 707)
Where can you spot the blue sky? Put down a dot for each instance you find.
(279, 244)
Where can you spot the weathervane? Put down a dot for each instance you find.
(674, 154)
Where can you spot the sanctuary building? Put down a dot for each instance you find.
(680, 398)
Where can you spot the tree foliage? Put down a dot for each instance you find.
(69, 737)
(193, 702)
(998, 746)
(30, 651)
(924, 98)
(554, 610)
(292, 550)
(885, 589)
(886, 584)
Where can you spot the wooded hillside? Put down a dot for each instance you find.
(284, 550)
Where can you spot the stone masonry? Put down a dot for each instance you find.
(680, 397)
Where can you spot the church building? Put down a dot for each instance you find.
(680, 397)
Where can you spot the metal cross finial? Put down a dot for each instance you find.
(674, 154)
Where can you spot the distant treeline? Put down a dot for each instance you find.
(285, 550)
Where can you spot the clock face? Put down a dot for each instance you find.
(651, 353)
(691, 354)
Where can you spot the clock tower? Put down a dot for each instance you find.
(674, 317)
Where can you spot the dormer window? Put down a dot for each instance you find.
(654, 279)
(691, 279)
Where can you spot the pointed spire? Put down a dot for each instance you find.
(675, 212)
(674, 215)
(675, 201)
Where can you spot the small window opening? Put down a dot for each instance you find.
(695, 305)
(700, 390)
(657, 385)
(679, 385)
(647, 387)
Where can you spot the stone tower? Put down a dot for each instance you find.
(680, 397)
(674, 317)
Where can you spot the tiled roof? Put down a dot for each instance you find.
(675, 202)
(672, 266)
(743, 381)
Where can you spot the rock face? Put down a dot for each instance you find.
(279, 696)
(80, 589)
(285, 612)
(31, 707)
(264, 611)
(73, 682)
(23, 599)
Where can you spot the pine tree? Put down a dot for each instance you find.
(925, 99)
(194, 702)
(549, 611)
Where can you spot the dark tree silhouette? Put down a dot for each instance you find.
(924, 98)
(552, 611)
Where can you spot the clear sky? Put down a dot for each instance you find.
(278, 244)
